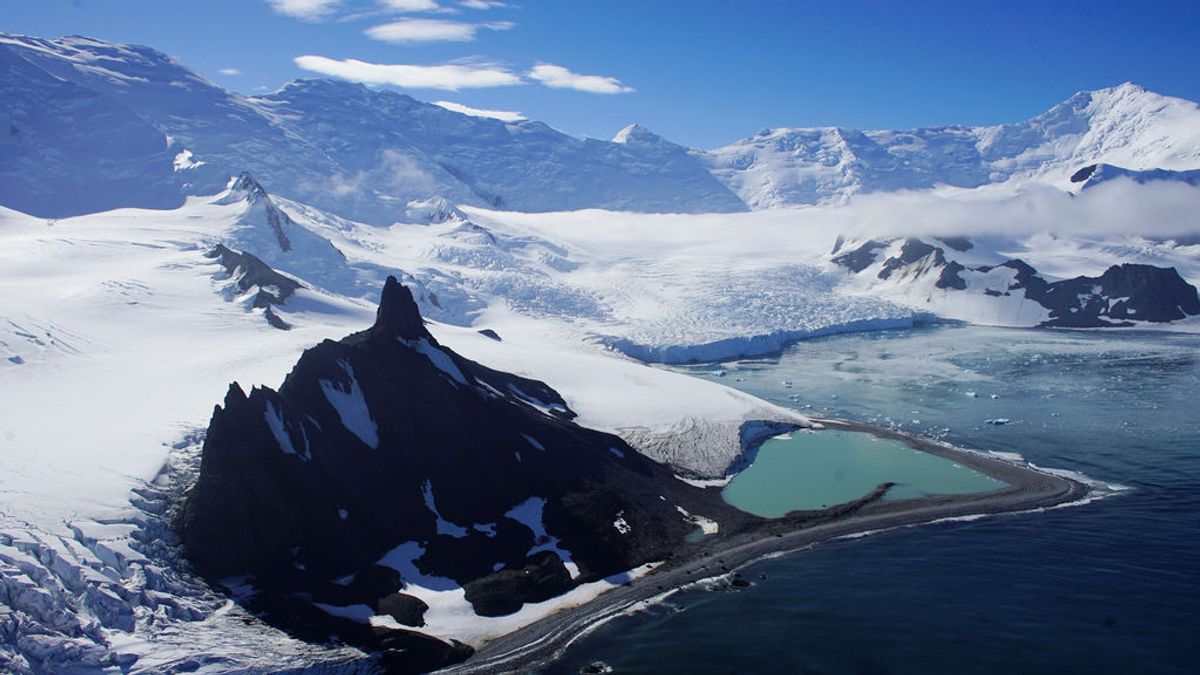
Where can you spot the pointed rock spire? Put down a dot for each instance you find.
(398, 315)
(251, 190)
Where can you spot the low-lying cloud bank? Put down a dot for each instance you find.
(1156, 210)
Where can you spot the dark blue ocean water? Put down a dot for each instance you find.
(1112, 586)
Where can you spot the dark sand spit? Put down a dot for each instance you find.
(1026, 489)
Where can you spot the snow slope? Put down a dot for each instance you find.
(356, 152)
(364, 154)
(1124, 125)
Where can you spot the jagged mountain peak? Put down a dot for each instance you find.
(398, 455)
(433, 211)
(398, 317)
(246, 188)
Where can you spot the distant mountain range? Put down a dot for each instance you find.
(90, 125)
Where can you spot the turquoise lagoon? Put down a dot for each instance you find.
(815, 469)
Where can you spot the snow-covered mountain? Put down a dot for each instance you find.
(954, 278)
(1096, 174)
(81, 112)
(1124, 125)
(90, 125)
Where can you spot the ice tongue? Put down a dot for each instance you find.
(398, 316)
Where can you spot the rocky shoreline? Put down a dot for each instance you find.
(1026, 489)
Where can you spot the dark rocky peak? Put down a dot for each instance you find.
(860, 258)
(261, 209)
(1156, 294)
(1084, 173)
(949, 278)
(1123, 294)
(385, 463)
(245, 187)
(398, 317)
(248, 272)
(915, 254)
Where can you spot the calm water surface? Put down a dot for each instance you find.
(1108, 587)
(814, 469)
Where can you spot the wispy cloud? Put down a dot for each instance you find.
(446, 76)
(307, 10)
(561, 78)
(482, 4)
(230, 71)
(412, 5)
(502, 115)
(431, 30)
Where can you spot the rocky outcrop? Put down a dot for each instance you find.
(1096, 174)
(386, 451)
(247, 273)
(913, 254)
(860, 258)
(1125, 295)
(245, 187)
(1122, 294)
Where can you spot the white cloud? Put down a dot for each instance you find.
(1162, 209)
(447, 76)
(411, 5)
(431, 30)
(308, 10)
(482, 4)
(230, 71)
(502, 115)
(561, 78)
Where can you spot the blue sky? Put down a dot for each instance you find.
(702, 73)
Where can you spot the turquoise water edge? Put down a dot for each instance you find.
(815, 469)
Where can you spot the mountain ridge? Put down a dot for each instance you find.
(364, 153)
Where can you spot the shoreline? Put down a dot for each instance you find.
(1027, 489)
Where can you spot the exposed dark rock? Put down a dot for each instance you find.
(276, 322)
(398, 317)
(248, 272)
(913, 251)
(504, 592)
(405, 609)
(838, 244)
(1084, 173)
(1098, 174)
(387, 440)
(489, 333)
(276, 218)
(949, 277)
(860, 258)
(1122, 294)
(408, 652)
